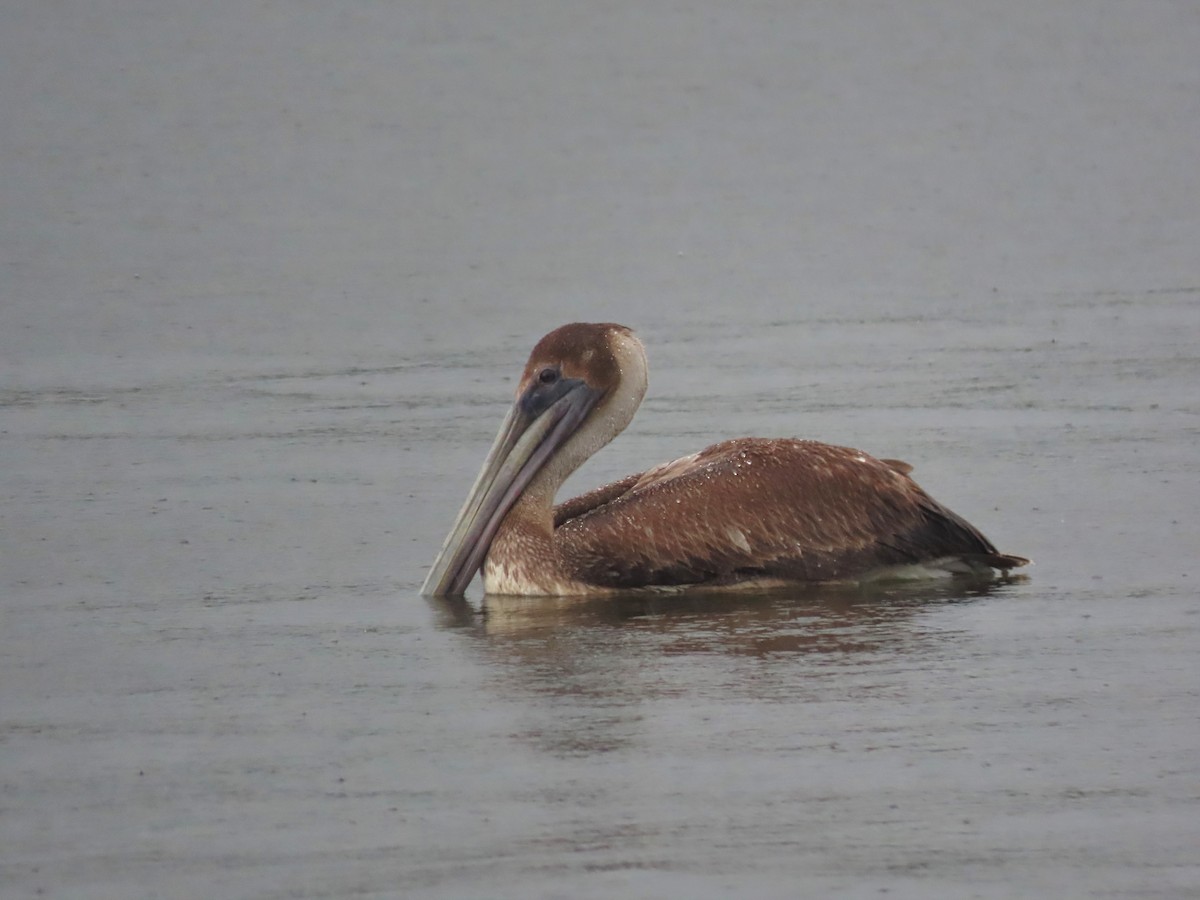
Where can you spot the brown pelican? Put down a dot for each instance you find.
(750, 511)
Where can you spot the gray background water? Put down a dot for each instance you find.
(268, 273)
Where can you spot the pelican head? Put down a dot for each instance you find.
(581, 386)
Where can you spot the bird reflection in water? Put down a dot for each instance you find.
(616, 676)
(592, 676)
(843, 618)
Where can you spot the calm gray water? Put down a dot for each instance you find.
(269, 274)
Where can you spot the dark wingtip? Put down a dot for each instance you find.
(1005, 561)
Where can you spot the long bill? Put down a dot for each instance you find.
(522, 447)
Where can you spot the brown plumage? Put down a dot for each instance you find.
(744, 511)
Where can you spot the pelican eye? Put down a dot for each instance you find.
(547, 388)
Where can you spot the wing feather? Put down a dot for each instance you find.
(577, 506)
(760, 507)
